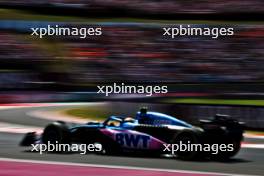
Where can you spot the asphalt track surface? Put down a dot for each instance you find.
(247, 162)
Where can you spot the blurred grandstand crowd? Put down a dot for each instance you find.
(129, 53)
(152, 6)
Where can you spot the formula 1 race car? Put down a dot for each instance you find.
(147, 132)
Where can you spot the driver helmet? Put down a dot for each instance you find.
(129, 119)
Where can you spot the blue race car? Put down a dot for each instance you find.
(147, 132)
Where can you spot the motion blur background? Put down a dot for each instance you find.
(133, 50)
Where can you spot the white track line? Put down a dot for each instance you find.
(255, 146)
(54, 116)
(117, 167)
(20, 129)
(253, 136)
(58, 115)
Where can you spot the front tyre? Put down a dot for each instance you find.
(56, 132)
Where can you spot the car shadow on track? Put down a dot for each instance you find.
(147, 156)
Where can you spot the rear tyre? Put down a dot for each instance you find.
(185, 138)
(226, 155)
